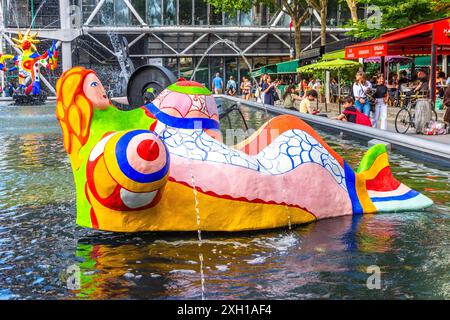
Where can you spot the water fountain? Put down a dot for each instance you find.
(120, 50)
(236, 49)
(37, 232)
(197, 213)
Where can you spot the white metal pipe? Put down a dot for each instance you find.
(194, 43)
(94, 12)
(66, 46)
(311, 44)
(254, 43)
(166, 55)
(202, 29)
(164, 43)
(134, 12)
(281, 40)
(135, 40)
(101, 44)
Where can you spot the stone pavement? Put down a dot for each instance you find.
(333, 111)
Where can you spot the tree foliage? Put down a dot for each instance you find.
(296, 9)
(231, 7)
(394, 13)
(397, 14)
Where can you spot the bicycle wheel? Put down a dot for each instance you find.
(433, 115)
(433, 111)
(395, 103)
(403, 120)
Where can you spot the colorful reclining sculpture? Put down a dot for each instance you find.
(157, 167)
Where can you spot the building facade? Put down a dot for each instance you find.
(183, 35)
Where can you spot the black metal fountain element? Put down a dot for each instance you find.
(147, 81)
(225, 113)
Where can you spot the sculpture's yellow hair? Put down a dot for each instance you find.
(74, 111)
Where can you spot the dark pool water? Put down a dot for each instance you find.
(40, 245)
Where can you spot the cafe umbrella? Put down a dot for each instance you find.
(332, 65)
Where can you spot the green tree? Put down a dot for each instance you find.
(398, 14)
(321, 7)
(353, 6)
(296, 9)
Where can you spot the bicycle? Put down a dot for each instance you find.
(406, 116)
(394, 100)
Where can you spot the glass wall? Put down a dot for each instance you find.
(185, 9)
(154, 12)
(231, 69)
(202, 75)
(186, 67)
(243, 69)
(344, 14)
(258, 62)
(182, 12)
(215, 18)
(230, 20)
(170, 12)
(172, 65)
(139, 6)
(106, 13)
(20, 13)
(201, 12)
(113, 12)
(121, 13)
(245, 18)
(216, 66)
(332, 13)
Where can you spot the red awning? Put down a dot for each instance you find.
(412, 40)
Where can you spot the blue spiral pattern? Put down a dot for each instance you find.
(288, 151)
(125, 166)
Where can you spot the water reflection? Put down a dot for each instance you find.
(321, 260)
(328, 259)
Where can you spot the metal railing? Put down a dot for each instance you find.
(433, 151)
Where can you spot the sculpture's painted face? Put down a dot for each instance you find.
(95, 92)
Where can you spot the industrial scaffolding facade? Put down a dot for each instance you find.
(173, 33)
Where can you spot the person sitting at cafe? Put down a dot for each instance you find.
(403, 78)
(440, 84)
(423, 86)
(289, 97)
(392, 85)
(305, 105)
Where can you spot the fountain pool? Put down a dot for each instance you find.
(39, 241)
